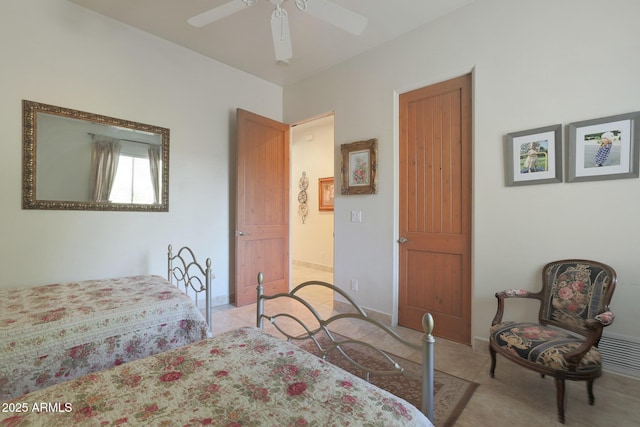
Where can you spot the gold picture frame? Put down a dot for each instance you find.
(325, 194)
(359, 167)
(56, 150)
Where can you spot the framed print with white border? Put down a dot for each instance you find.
(534, 156)
(605, 148)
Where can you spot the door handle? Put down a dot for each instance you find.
(242, 233)
(403, 240)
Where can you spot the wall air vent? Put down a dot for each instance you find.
(620, 354)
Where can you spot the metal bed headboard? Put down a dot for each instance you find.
(187, 273)
(426, 346)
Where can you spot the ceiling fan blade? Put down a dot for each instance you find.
(281, 36)
(219, 12)
(333, 14)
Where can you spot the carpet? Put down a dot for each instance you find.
(451, 394)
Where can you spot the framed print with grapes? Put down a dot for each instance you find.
(359, 167)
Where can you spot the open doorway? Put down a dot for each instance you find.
(311, 225)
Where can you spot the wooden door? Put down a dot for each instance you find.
(435, 208)
(262, 211)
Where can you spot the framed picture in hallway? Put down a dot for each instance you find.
(325, 194)
(605, 148)
(359, 166)
(534, 156)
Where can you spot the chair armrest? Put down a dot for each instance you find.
(606, 318)
(601, 320)
(595, 327)
(511, 293)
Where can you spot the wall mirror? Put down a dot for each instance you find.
(83, 161)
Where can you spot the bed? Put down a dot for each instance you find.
(53, 333)
(243, 377)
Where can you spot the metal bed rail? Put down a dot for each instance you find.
(185, 272)
(425, 347)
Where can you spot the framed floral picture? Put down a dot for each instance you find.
(534, 156)
(359, 166)
(325, 194)
(605, 148)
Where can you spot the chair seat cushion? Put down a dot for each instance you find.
(542, 345)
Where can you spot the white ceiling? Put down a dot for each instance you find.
(243, 40)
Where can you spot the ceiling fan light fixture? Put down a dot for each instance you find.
(281, 35)
(324, 10)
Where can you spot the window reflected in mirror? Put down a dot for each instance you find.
(133, 181)
(78, 160)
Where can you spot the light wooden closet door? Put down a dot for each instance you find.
(435, 208)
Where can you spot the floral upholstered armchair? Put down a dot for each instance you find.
(574, 307)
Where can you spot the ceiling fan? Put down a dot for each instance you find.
(324, 10)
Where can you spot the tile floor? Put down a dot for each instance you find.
(515, 397)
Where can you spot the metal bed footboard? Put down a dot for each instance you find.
(426, 346)
(185, 272)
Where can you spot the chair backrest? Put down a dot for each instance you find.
(575, 290)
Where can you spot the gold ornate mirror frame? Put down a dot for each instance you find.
(32, 111)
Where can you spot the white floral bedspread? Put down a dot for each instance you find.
(240, 378)
(49, 334)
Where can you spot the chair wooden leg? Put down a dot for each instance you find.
(492, 370)
(590, 391)
(560, 398)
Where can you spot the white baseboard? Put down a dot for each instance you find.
(345, 307)
(327, 268)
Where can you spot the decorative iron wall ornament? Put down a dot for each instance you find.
(303, 184)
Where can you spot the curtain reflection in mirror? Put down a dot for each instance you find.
(123, 172)
(104, 163)
(154, 168)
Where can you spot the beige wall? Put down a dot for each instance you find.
(58, 53)
(311, 152)
(534, 64)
